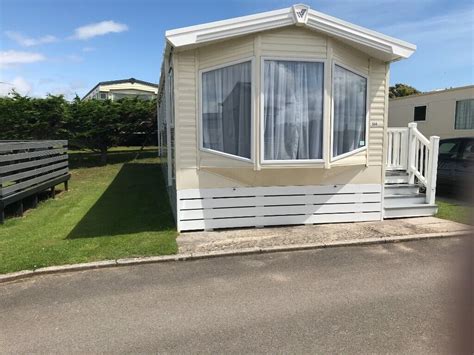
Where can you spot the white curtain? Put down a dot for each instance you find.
(226, 109)
(293, 110)
(464, 114)
(350, 101)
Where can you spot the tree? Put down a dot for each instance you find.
(101, 124)
(400, 90)
(23, 117)
(94, 124)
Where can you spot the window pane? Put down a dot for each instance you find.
(420, 113)
(464, 114)
(293, 110)
(350, 100)
(226, 109)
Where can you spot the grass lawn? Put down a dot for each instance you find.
(454, 211)
(114, 211)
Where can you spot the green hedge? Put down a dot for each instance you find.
(92, 124)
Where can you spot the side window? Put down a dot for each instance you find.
(468, 153)
(449, 149)
(350, 110)
(226, 109)
(420, 113)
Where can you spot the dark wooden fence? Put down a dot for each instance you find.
(30, 167)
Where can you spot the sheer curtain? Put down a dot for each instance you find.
(293, 110)
(464, 114)
(226, 109)
(350, 101)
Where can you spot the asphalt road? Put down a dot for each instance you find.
(394, 298)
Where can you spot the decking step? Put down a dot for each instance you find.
(410, 210)
(402, 199)
(396, 179)
(401, 189)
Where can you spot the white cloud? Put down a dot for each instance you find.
(20, 85)
(88, 49)
(28, 41)
(98, 29)
(11, 57)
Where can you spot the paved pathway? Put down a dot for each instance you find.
(391, 298)
(324, 233)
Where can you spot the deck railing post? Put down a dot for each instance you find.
(411, 151)
(432, 170)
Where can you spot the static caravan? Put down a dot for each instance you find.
(446, 113)
(280, 118)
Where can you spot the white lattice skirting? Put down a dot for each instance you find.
(203, 209)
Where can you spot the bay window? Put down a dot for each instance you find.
(293, 94)
(350, 111)
(226, 109)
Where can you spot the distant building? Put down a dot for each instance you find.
(118, 89)
(445, 113)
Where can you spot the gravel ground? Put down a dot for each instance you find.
(196, 242)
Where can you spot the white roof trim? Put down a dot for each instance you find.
(381, 46)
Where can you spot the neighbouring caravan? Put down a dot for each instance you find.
(446, 113)
(280, 118)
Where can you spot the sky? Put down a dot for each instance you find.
(68, 46)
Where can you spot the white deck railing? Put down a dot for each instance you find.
(397, 153)
(409, 150)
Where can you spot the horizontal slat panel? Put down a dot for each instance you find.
(279, 210)
(35, 154)
(22, 185)
(278, 190)
(8, 146)
(277, 200)
(31, 164)
(280, 220)
(33, 172)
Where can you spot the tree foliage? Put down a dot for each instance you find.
(92, 124)
(400, 90)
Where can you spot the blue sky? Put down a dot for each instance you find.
(67, 46)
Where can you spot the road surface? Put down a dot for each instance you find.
(402, 298)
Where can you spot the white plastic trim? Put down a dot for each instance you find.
(385, 47)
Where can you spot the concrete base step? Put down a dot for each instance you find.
(410, 210)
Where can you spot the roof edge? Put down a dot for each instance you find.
(390, 48)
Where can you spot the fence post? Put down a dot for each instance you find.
(411, 151)
(432, 170)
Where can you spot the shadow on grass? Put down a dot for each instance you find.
(136, 201)
(89, 159)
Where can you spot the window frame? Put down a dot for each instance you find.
(316, 162)
(367, 111)
(251, 60)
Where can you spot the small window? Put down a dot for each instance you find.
(420, 113)
(103, 95)
(226, 109)
(350, 111)
(464, 114)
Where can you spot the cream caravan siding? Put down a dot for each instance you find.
(440, 112)
(198, 169)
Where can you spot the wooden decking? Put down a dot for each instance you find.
(30, 167)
